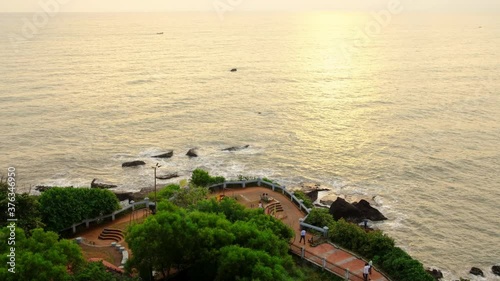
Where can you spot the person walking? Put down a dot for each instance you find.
(366, 271)
(303, 236)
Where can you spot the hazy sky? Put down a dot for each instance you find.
(245, 5)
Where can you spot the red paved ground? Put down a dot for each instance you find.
(250, 197)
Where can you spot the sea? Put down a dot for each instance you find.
(401, 109)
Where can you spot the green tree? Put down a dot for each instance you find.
(166, 192)
(189, 196)
(202, 178)
(238, 263)
(27, 210)
(62, 207)
(40, 257)
(193, 239)
(320, 217)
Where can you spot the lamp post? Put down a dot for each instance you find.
(154, 168)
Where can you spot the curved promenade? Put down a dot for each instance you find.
(328, 256)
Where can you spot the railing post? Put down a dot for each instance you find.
(324, 263)
(244, 184)
(347, 274)
(303, 252)
(87, 223)
(300, 204)
(74, 228)
(325, 232)
(224, 185)
(259, 181)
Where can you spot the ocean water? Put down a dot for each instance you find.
(406, 114)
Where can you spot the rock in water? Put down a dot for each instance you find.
(168, 154)
(167, 176)
(95, 184)
(496, 270)
(342, 209)
(133, 163)
(192, 153)
(234, 70)
(437, 274)
(369, 212)
(236, 148)
(476, 271)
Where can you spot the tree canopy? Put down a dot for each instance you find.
(206, 243)
(27, 210)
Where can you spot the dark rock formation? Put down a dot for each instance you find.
(496, 270)
(356, 212)
(437, 274)
(369, 212)
(167, 176)
(236, 148)
(125, 196)
(42, 188)
(342, 209)
(314, 194)
(95, 184)
(168, 154)
(133, 163)
(326, 202)
(476, 271)
(192, 153)
(234, 70)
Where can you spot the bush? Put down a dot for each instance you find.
(62, 207)
(320, 217)
(165, 193)
(202, 178)
(380, 248)
(301, 195)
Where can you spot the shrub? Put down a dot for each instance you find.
(62, 207)
(202, 178)
(380, 248)
(320, 217)
(301, 195)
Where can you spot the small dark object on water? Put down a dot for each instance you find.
(234, 70)
(476, 271)
(192, 153)
(133, 163)
(159, 33)
(168, 154)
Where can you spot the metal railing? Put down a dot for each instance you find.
(324, 264)
(87, 222)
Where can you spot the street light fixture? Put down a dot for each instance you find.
(155, 167)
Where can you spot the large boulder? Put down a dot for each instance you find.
(236, 148)
(356, 212)
(496, 270)
(133, 163)
(476, 271)
(192, 153)
(95, 184)
(168, 154)
(368, 211)
(343, 209)
(437, 274)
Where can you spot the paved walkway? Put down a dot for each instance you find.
(250, 197)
